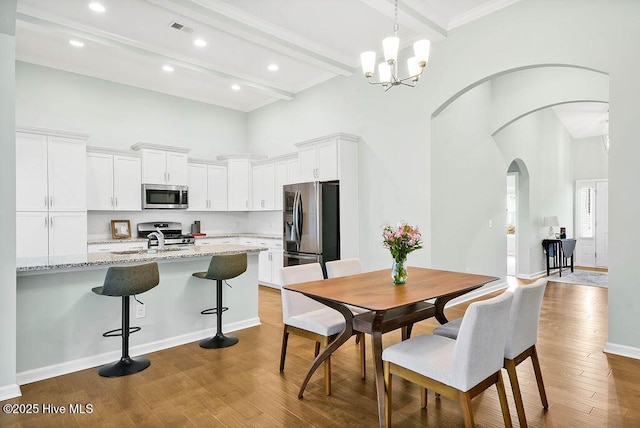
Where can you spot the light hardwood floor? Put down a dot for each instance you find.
(241, 386)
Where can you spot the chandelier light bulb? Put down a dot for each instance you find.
(368, 60)
(421, 49)
(390, 46)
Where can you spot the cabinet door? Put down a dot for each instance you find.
(198, 194)
(264, 266)
(268, 187)
(327, 161)
(217, 180)
(99, 181)
(177, 169)
(127, 183)
(67, 171)
(154, 166)
(307, 163)
(32, 234)
(280, 179)
(293, 171)
(31, 172)
(277, 262)
(257, 194)
(238, 173)
(67, 233)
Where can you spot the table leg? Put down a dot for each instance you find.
(339, 340)
(376, 345)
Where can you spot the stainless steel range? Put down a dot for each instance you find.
(172, 232)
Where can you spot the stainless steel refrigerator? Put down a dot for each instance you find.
(311, 223)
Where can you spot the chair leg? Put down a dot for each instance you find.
(317, 350)
(503, 403)
(465, 404)
(387, 395)
(538, 372)
(423, 397)
(510, 365)
(283, 352)
(363, 360)
(327, 367)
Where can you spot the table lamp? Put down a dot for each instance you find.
(550, 222)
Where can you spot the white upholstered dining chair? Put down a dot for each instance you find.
(458, 369)
(522, 335)
(345, 267)
(307, 318)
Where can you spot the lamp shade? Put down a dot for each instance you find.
(390, 47)
(421, 49)
(414, 67)
(368, 60)
(550, 221)
(384, 72)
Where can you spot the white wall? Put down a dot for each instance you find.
(8, 386)
(118, 116)
(396, 151)
(589, 160)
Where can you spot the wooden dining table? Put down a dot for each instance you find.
(391, 307)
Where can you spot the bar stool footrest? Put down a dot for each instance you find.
(118, 332)
(124, 367)
(213, 311)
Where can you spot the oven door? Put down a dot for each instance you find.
(159, 196)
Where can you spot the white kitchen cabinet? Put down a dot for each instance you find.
(163, 164)
(113, 182)
(263, 189)
(42, 234)
(281, 177)
(319, 161)
(217, 240)
(238, 184)
(270, 262)
(207, 187)
(50, 172)
(116, 246)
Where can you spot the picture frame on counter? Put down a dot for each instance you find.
(120, 229)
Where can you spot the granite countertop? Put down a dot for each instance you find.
(209, 235)
(92, 260)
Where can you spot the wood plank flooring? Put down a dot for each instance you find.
(241, 386)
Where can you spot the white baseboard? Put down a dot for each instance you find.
(10, 391)
(534, 275)
(48, 372)
(622, 350)
(477, 293)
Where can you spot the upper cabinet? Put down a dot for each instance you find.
(239, 172)
(50, 171)
(318, 160)
(263, 189)
(113, 180)
(163, 164)
(207, 187)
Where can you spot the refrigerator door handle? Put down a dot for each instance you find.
(297, 216)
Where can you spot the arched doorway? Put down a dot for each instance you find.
(517, 218)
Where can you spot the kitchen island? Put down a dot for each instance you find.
(60, 321)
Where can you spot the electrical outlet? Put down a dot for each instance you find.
(141, 310)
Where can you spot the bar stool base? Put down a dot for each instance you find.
(124, 367)
(218, 341)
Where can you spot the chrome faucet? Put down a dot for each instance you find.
(159, 236)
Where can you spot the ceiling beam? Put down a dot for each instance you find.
(38, 23)
(223, 17)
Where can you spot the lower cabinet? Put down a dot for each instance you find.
(42, 234)
(117, 246)
(270, 262)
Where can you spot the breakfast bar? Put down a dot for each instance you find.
(60, 321)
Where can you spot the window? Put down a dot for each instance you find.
(585, 200)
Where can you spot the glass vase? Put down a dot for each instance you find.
(399, 271)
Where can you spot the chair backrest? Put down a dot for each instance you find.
(343, 267)
(480, 344)
(130, 280)
(294, 303)
(227, 266)
(522, 331)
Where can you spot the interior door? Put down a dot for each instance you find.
(602, 224)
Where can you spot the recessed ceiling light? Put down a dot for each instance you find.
(76, 43)
(200, 43)
(167, 68)
(97, 7)
(273, 67)
(235, 87)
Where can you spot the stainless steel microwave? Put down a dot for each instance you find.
(162, 196)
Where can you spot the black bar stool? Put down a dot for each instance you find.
(221, 267)
(126, 281)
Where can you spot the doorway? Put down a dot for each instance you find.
(512, 222)
(592, 223)
(518, 227)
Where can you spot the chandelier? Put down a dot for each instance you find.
(388, 70)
